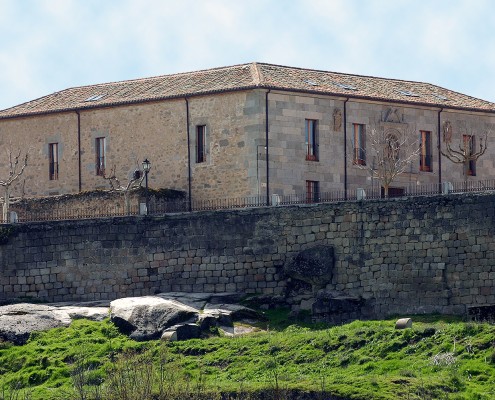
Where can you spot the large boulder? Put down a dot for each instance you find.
(199, 300)
(213, 318)
(91, 313)
(235, 312)
(142, 318)
(17, 321)
(314, 266)
(146, 318)
(181, 332)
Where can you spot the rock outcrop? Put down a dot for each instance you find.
(145, 318)
(314, 266)
(17, 321)
(178, 316)
(170, 316)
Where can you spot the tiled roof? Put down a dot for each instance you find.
(248, 76)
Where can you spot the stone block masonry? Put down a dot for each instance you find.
(418, 255)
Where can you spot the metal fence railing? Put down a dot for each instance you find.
(67, 213)
(184, 205)
(162, 206)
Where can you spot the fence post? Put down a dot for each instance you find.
(447, 187)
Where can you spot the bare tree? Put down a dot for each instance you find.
(16, 165)
(466, 154)
(386, 152)
(126, 189)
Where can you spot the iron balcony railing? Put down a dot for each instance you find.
(160, 207)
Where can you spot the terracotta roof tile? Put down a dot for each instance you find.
(247, 76)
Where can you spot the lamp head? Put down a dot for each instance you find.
(146, 165)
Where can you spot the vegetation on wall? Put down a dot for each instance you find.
(437, 359)
(6, 231)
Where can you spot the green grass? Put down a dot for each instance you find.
(440, 358)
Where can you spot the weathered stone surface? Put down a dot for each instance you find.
(238, 330)
(482, 313)
(145, 318)
(200, 300)
(237, 312)
(91, 313)
(403, 323)
(142, 318)
(17, 321)
(313, 265)
(181, 332)
(402, 256)
(337, 308)
(214, 318)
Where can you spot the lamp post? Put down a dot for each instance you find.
(146, 168)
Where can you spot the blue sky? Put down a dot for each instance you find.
(50, 45)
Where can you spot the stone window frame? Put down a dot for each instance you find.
(425, 151)
(53, 161)
(100, 155)
(201, 138)
(359, 144)
(311, 139)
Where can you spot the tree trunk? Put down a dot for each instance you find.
(6, 203)
(385, 191)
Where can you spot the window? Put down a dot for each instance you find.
(312, 191)
(469, 146)
(53, 161)
(359, 145)
(425, 158)
(200, 143)
(408, 93)
(95, 97)
(100, 156)
(311, 140)
(393, 192)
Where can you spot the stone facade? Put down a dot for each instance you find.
(157, 131)
(417, 255)
(290, 170)
(235, 160)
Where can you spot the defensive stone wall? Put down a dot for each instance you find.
(429, 254)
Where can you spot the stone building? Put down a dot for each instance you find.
(244, 130)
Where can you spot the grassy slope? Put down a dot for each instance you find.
(436, 359)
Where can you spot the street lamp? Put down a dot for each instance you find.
(146, 168)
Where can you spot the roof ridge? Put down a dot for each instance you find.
(149, 78)
(345, 73)
(255, 70)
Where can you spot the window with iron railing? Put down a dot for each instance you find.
(201, 143)
(359, 144)
(312, 191)
(53, 161)
(100, 156)
(425, 157)
(311, 140)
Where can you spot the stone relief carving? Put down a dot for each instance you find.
(337, 119)
(393, 115)
(447, 132)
